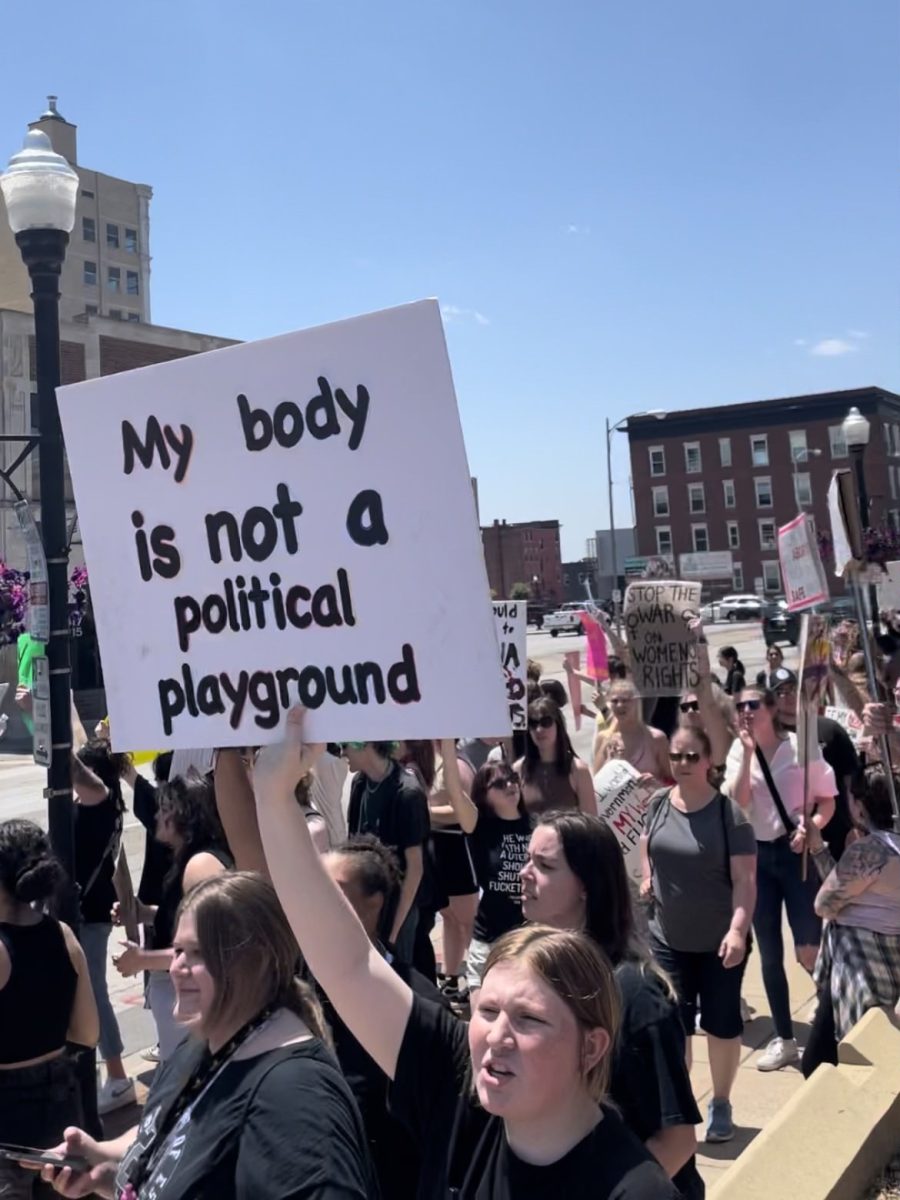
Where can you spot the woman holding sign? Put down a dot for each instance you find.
(552, 774)
(643, 746)
(511, 1106)
(763, 774)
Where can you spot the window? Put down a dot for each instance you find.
(88, 229)
(87, 195)
(763, 485)
(116, 314)
(759, 449)
(657, 460)
(771, 576)
(728, 489)
(131, 283)
(91, 310)
(660, 502)
(133, 316)
(114, 279)
(725, 452)
(797, 438)
(837, 441)
(802, 489)
(663, 540)
(768, 539)
(131, 241)
(700, 538)
(893, 482)
(89, 274)
(737, 576)
(692, 463)
(734, 535)
(696, 498)
(112, 236)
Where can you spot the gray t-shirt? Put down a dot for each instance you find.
(689, 853)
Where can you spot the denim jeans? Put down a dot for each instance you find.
(779, 885)
(94, 942)
(36, 1105)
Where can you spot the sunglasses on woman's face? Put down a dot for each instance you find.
(541, 723)
(687, 706)
(748, 705)
(688, 756)
(505, 781)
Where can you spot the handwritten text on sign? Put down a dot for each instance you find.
(278, 529)
(662, 648)
(510, 620)
(801, 566)
(622, 799)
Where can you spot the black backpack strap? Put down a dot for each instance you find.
(786, 821)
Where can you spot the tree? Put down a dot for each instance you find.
(520, 591)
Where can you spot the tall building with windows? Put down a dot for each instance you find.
(726, 478)
(107, 267)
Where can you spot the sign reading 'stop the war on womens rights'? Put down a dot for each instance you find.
(282, 521)
(662, 648)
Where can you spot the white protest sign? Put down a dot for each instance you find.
(848, 720)
(286, 520)
(511, 625)
(622, 799)
(801, 566)
(888, 585)
(662, 648)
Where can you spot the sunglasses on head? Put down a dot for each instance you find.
(687, 706)
(688, 756)
(747, 706)
(505, 781)
(540, 722)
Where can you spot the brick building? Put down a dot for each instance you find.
(726, 478)
(524, 552)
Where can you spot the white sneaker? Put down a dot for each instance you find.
(115, 1093)
(780, 1052)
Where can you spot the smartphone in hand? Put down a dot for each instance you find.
(41, 1158)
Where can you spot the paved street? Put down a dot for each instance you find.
(757, 1096)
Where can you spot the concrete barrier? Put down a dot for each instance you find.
(835, 1133)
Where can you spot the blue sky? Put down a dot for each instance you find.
(622, 206)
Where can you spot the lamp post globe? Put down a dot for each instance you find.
(39, 187)
(855, 429)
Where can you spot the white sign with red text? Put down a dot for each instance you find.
(801, 565)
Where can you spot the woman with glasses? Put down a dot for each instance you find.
(764, 776)
(774, 661)
(552, 774)
(708, 708)
(499, 845)
(646, 748)
(698, 856)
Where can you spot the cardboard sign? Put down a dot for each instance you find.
(815, 654)
(622, 799)
(286, 520)
(801, 565)
(662, 648)
(572, 664)
(511, 625)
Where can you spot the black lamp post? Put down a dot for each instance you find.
(40, 191)
(856, 434)
(610, 430)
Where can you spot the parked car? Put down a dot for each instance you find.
(779, 625)
(536, 613)
(709, 613)
(566, 619)
(743, 607)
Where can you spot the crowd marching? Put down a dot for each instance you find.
(308, 1044)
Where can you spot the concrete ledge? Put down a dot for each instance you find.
(835, 1134)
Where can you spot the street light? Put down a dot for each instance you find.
(659, 414)
(40, 190)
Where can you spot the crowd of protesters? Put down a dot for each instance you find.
(310, 1043)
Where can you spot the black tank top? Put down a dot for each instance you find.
(173, 892)
(36, 1004)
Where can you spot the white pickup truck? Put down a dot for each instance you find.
(566, 619)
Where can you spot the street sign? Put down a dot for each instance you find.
(40, 711)
(38, 589)
(617, 596)
(634, 567)
(706, 564)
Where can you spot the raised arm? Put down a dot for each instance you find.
(451, 805)
(237, 812)
(370, 998)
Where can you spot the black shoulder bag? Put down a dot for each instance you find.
(786, 821)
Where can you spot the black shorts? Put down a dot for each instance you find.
(455, 873)
(701, 981)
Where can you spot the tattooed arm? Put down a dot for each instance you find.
(858, 868)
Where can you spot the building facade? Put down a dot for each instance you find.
(524, 552)
(725, 479)
(626, 547)
(577, 578)
(107, 267)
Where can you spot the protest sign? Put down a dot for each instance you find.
(846, 530)
(888, 585)
(662, 647)
(286, 520)
(597, 658)
(622, 799)
(849, 721)
(801, 565)
(815, 654)
(511, 625)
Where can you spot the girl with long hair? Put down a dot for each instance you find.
(552, 774)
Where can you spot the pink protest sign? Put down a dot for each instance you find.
(597, 659)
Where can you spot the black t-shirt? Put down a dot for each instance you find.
(650, 1080)
(172, 892)
(465, 1148)
(394, 810)
(280, 1126)
(499, 852)
(839, 752)
(157, 856)
(98, 833)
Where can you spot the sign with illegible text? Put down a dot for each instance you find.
(510, 618)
